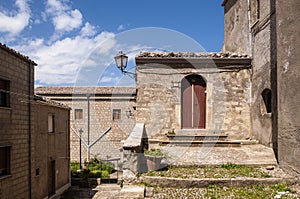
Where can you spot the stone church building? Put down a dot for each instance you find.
(246, 93)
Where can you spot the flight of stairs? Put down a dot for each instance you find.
(201, 138)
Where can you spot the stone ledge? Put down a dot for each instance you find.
(222, 182)
(135, 138)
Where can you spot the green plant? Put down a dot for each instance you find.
(154, 152)
(171, 132)
(95, 174)
(74, 166)
(104, 174)
(231, 166)
(109, 167)
(281, 188)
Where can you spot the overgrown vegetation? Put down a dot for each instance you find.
(212, 192)
(154, 152)
(94, 169)
(171, 132)
(225, 171)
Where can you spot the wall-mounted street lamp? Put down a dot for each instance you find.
(121, 61)
(129, 113)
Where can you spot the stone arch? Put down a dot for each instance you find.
(266, 104)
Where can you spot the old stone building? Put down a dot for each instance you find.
(208, 91)
(103, 115)
(247, 91)
(34, 161)
(51, 148)
(268, 32)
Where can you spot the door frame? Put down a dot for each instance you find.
(189, 82)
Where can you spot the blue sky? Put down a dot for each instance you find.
(74, 41)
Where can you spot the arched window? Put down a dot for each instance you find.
(267, 101)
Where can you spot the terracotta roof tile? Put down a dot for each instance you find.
(191, 55)
(16, 53)
(85, 90)
(47, 101)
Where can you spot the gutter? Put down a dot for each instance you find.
(29, 131)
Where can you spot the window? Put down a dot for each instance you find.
(116, 114)
(4, 93)
(4, 160)
(78, 114)
(50, 123)
(37, 172)
(267, 101)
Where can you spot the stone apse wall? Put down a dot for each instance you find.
(249, 30)
(159, 77)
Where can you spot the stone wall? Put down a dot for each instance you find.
(50, 147)
(261, 73)
(101, 119)
(15, 122)
(236, 26)
(159, 95)
(288, 74)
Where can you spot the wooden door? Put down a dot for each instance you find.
(193, 102)
(51, 178)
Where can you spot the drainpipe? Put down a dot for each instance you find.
(88, 150)
(29, 130)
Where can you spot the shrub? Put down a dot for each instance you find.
(74, 166)
(95, 174)
(104, 174)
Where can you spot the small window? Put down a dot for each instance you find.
(37, 172)
(50, 123)
(267, 101)
(116, 114)
(4, 93)
(78, 114)
(5, 160)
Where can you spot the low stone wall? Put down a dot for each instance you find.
(222, 182)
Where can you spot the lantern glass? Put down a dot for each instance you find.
(121, 61)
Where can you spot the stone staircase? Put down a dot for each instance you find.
(201, 138)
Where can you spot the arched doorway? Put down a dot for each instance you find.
(193, 102)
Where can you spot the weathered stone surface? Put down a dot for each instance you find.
(288, 72)
(159, 97)
(136, 136)
(236, 27)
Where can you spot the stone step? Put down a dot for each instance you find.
(202, 132)
(211, 137)
(203, 143)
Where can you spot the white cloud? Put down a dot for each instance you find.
(63, 17)
(13, 23)
(60, 62)
(68, 21)
(88, 30)
(121, 27)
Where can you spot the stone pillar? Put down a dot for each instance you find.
(134, 161)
